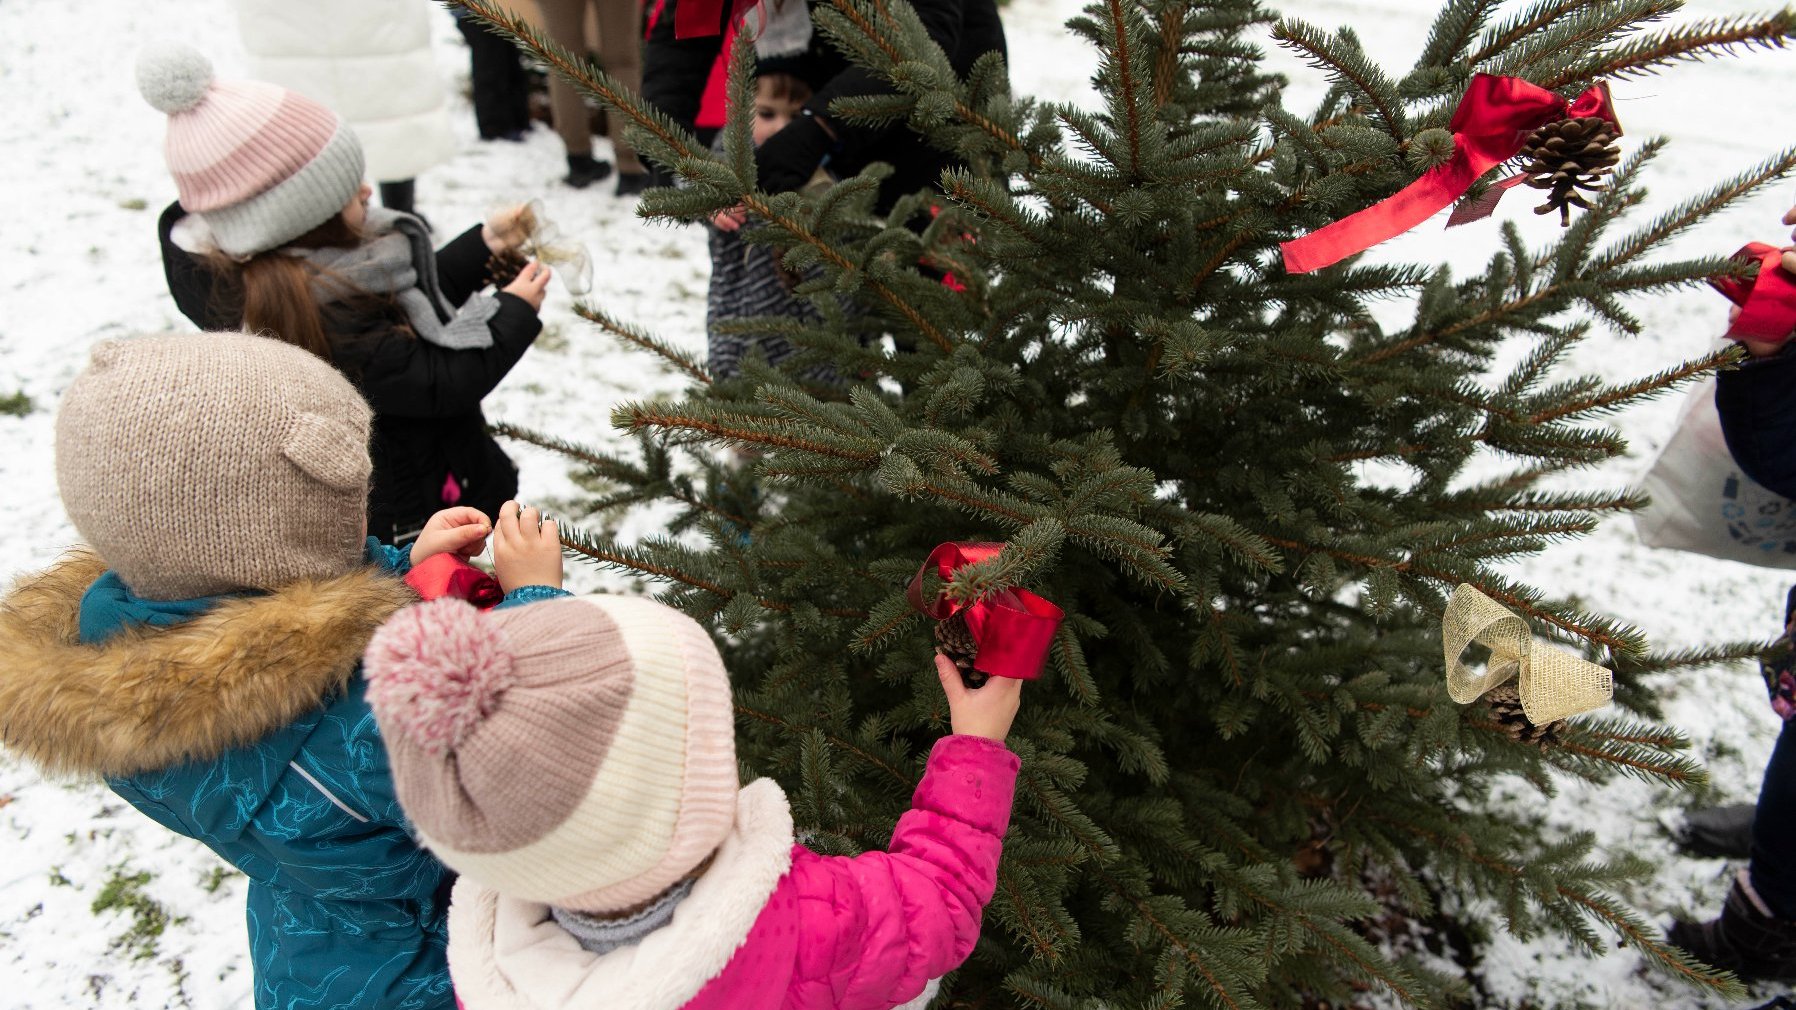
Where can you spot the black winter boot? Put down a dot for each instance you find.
(583, 170)
(1747, 939)
(1717, 832)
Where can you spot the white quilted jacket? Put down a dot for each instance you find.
(370, 61)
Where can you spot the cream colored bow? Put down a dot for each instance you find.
(1554, 683)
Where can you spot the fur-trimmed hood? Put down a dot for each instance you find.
(153, 697)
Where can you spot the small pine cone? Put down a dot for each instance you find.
(955, 640)
(1506, 709)
(503, 267)
(1569, 155)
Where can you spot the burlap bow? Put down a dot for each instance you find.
(1554, 683)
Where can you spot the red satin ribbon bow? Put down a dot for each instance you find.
(1013, 628)
(1490, 126)
(1767, 302)
(443, 575)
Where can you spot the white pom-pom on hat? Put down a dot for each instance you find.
(173, 76)
(435, 671)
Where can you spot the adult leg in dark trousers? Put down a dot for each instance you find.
(565, 21)
(1755, 935)
(501, 87)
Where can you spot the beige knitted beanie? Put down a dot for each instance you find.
(206, 463)
(260, 164)
(579, 752)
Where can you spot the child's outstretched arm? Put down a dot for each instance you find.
(911, 914)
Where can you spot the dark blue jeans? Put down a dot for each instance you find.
(1773, 867)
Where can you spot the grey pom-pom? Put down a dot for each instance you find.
(173, 76)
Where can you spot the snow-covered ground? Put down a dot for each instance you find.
(101, 908)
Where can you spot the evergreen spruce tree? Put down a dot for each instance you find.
(1241, 773)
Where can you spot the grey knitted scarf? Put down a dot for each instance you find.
(602, 936)
(396, 258)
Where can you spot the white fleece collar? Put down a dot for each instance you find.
(506, 954)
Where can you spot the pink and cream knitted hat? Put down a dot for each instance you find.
(579, 752)
(260, 164)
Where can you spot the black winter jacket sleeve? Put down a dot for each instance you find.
(402, 376)
(192, 285)
(461, 266)
(1757, 404)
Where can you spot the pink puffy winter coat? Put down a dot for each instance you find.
(771, 925)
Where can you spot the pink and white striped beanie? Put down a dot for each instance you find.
(579, 751)
(260, 164)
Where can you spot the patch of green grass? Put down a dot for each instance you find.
(149, 917)
(215, 878)
(57, 879)
(17, 405)
(134, 203)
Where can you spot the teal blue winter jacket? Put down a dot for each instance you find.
(241, 721)
(346, 911)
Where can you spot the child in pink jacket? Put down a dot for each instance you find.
(575, 761)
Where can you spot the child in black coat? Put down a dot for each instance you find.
(273, 233)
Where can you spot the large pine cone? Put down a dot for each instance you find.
(1567, 156)
(1506, 710)
(503, 267)
(955, 640)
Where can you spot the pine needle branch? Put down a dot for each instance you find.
(633, 561)
(1527, 23)
(846, 746)
(612, 468)
(1693, 211)
(1649, 55)
(1484, 318)
(1453, 31)
(637, 417)
(681, 360)
(1360, 74)
(1632, 392)
(1125, 65)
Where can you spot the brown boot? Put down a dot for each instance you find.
(1747, 939)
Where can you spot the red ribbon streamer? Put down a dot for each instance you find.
(443, 575)
(1767, 302)
(1490, 126)
(1012, 628)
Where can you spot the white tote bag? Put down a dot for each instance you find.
(1701, 502)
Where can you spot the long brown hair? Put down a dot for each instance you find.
(272, 291)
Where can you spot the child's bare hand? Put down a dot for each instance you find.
(460, 530)
(730, 220)
(526, 549)
(507, 229)
(985, 711)
(531, 284)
